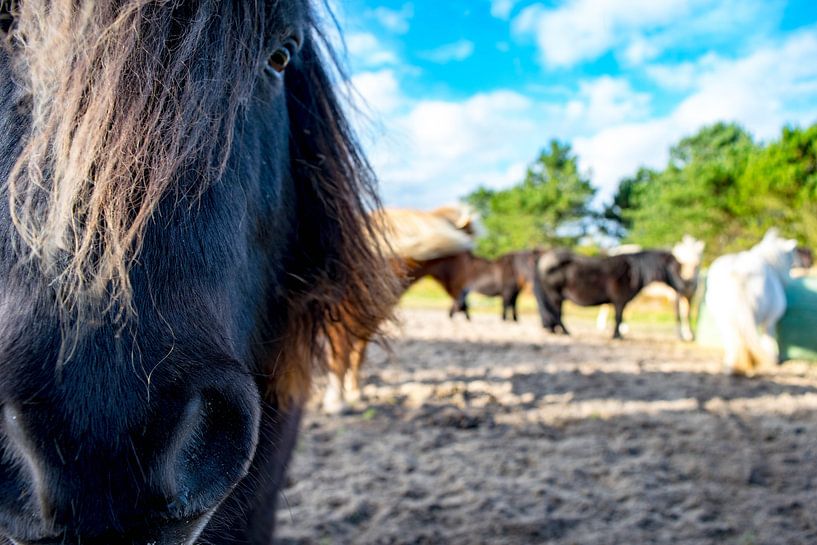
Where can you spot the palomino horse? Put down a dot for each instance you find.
(689, 253)
(420, 244)
(592, 281)
(505, 277)
(183, 214)
(745, 295)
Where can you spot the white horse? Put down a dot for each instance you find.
(689, 253)
(745, 295)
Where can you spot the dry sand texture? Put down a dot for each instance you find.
(494, 433)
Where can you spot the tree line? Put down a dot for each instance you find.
(719, 185)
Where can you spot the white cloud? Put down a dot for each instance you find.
(437, 151)
(605, 101)
(637, 30)
(501, 9)
(393, 20)
(429, 152)
(457, 51)
(763, 91)
(379, 90)
(680, 77)
(367, 50)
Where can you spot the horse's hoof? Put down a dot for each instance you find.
(334, 407)
(354, 396)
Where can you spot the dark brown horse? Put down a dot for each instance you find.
(593, 281)
(505, 277)
(183, 215)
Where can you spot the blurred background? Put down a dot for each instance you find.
(588, 124)
(625, 118)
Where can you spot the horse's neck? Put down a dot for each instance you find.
(648, 273)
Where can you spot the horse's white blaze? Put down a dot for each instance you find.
(746, 296)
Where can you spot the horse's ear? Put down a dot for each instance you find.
(772, 234)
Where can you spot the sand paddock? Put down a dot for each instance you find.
(493, 433)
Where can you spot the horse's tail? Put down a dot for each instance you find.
(745, 350)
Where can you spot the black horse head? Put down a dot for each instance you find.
(183, 212)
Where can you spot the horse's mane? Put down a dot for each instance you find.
(777, 252)
(422, 236)
(128, 94)
(125, 96)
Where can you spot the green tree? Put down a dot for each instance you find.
(779, 187)
(616, 219)
(694, 194)
(547, 208)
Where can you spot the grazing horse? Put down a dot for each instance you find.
(592, 281)
(183, 214)
(505, 277)
(689, 253)
(745, 293)
(420, 244)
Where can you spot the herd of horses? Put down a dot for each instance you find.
(439, 244)
(186, 239)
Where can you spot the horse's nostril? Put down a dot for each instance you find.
(215, 443)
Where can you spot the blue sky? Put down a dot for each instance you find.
(461, 93)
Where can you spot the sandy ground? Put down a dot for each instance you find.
(485, 432)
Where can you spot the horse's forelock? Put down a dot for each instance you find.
(126, 96)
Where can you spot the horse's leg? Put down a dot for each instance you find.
(769, 344)
(683, 311)
(334, 401)
(558, 324)
(736, 355)
(338, 352)
(509, 297)
(603, 317)
(619, 309)
(460, 304)
(356, 358)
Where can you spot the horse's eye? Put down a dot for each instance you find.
(282, 56)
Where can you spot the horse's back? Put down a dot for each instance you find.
(421, 236)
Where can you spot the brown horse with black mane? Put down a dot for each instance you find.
(505, 277)
(593, 281)
(183, 218)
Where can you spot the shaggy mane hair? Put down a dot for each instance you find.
(128, 94)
